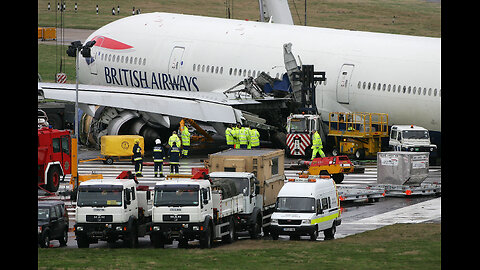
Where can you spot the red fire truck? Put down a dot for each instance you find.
(54, 157)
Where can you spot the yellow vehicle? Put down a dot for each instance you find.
(357, 133)
(117, 148)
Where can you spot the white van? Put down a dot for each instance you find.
(306, 206)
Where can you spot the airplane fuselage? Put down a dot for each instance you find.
(366, 72)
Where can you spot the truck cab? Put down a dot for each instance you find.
(306, 206)
(183, 209)
(410, 138)
(299, 130)
(111, 209)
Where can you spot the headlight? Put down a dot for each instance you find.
(39, 229)
(306, 221)
(118, 228)
(80, 229)
(156, 228)
(195, 228)
(274, 221)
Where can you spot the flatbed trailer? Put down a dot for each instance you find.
(405, 190)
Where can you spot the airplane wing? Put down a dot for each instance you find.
(203, 106)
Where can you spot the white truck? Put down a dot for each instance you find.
(410, 138)
(306, 206)
(112, 209)
(189, 209)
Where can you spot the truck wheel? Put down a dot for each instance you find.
(230, 237)
(330, 233)
(53, 179)
(206, 240)
(338, 177)
(157, 240)
(109, 161)
(131, 239)
(257, 228)
(82, 242)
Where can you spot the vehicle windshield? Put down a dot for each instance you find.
(43, 213)
(176, 195)
(415, 134)
(295, 204)
(103, 195)
(298, 125)
(241, 184)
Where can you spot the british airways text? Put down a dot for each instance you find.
(153, 80)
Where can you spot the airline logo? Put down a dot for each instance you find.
(108, 43)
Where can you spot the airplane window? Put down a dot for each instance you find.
(118, 58)
(394, 87)
(389, 87)
(414, 90)
(429, 91)
(221, 70)
(364, 84)
(369, 84)
(208, 68)
(230, 71)
(424, 91)
(244, 73)
(359, 84)
(409, 89)
(194, 67)
(144, 61)
(419, 90)
(131, 59)
(249, 73)
(435, 92)
(374, 86)
(213, 69)
(121, 59)
(253, 73)
(235, 72)
(384, 87)
(404, 89)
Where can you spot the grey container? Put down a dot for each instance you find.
(402, 168)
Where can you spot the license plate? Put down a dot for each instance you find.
(289, 229)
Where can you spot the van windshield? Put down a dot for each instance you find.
(295, 204)
(298, 125)
(415, 134)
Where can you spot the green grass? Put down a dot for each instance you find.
(413, 17)
(400, 246)
(49, 62)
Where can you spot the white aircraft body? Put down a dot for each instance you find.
(174, 65)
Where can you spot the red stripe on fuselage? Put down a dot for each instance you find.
(109, 43)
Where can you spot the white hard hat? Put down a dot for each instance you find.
(157, 141)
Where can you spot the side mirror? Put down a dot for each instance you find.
(205, 201)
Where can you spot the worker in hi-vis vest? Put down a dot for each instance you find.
(235, 133)
(317, 145)
(243, 137)
(229, 136)
(254, 138)
(174, 138)
(185, 141)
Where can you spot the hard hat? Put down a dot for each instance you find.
(157, 141)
